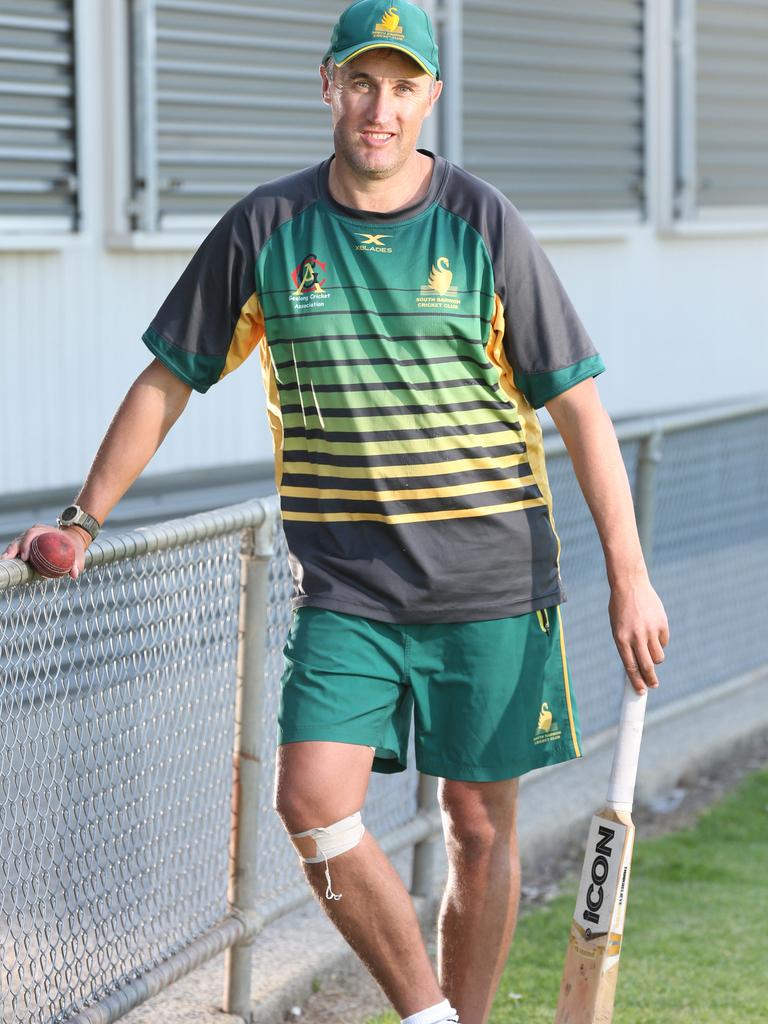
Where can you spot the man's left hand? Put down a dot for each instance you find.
(640, 629)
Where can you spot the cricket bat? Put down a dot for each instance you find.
(591, 966)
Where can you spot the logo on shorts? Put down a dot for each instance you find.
(309, 278)
(389, 27)
(547, 729)
(439, 292)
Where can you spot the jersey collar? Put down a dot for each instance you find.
(439, 173)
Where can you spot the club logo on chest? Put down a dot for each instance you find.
(439, 292)
(309, 277)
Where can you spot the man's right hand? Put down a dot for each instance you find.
(19, 546)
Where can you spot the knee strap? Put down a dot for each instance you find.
(320, 844)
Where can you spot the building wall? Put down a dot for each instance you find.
(679, 316)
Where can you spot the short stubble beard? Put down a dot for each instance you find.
(352, 158)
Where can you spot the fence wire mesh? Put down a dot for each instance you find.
(118, 697)
(710, 558)
(116, 740)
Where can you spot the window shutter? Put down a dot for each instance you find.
(732, 103)
(227, 97)
(553, 102)
(38, 165)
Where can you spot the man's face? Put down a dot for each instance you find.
(378, 102)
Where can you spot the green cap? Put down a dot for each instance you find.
(371, 24)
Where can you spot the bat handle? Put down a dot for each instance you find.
(621, 788)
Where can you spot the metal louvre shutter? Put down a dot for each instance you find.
(236, 102)
(732, 103)
(37, 114)
(553, 102)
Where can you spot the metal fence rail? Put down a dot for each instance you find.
(124, 695)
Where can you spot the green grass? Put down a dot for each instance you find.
(696, 937)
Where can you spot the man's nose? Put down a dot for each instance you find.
(380, 106)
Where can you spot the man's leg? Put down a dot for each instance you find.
(479, 908)
(317, 784)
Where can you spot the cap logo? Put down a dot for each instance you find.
(389, 27)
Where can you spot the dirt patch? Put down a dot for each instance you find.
(350, 996)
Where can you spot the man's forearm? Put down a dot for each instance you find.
(638, 619)
(591, 441)
(150, 408)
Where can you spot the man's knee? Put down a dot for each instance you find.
(319, 792)
(478, 816)
(317, 784)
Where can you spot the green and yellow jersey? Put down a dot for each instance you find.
(403, 357)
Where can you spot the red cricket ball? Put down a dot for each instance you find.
(52, 554)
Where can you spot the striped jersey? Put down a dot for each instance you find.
(403, 357)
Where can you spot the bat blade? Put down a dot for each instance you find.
(591, 966)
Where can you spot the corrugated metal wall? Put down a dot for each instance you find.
(553, 101)
(37, 112)
(71, 319)
(732, 103)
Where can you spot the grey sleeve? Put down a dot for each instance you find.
(195, 326)
(544, 341)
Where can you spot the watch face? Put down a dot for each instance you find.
(69, 513)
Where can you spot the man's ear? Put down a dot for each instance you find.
(325, 86)
(434, 97)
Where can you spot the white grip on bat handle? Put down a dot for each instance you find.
(621, 788)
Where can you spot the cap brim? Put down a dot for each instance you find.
(342, 56)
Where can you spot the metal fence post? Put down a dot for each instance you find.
(645, 489)
(256, 551)
(423, 878)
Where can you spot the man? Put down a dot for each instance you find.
(407, 324)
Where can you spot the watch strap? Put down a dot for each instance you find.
(84, 520)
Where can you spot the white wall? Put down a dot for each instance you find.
(679, 320)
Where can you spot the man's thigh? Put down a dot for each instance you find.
(344, 682)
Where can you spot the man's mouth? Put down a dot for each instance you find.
(377, 138)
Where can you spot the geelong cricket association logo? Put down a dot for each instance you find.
(309, 277)
(439, 292)
(389, 27)
(547, 729)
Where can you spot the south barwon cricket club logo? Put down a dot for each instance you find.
(439, 292)
(547, 729)
(389, 27)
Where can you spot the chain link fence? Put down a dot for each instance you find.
(123, 828)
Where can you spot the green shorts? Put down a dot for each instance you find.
(490, 700)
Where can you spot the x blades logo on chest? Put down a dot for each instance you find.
(372, 243)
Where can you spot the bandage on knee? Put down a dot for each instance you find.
(316, 845)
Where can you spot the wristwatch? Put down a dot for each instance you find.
(73, 515)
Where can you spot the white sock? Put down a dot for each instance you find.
(433, 1014)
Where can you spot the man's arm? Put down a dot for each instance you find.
(637, 615)
(152, 405)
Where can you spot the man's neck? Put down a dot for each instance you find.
(387, 195)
